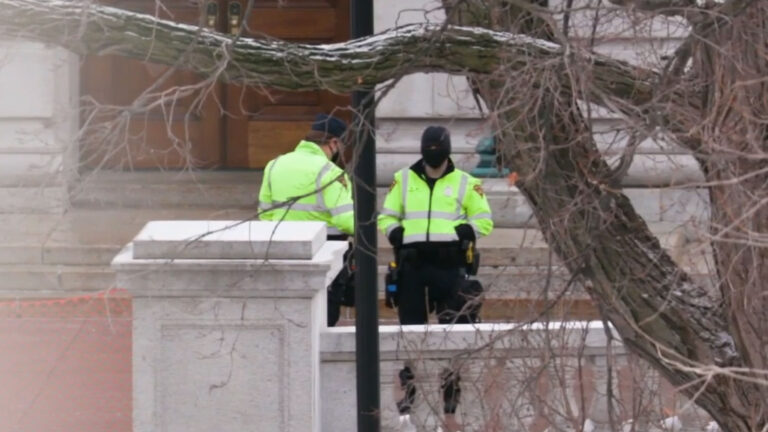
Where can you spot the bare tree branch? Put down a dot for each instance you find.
(341, 67)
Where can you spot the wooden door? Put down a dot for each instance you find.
(264, 123)
(180, 131)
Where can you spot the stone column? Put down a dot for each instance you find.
(38, 125)
(226, 327)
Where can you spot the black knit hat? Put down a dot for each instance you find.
(436, 137)
(329, 124)
(435, 145)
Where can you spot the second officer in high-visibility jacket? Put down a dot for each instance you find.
(307, 185)
(432, 216)
(432, 211)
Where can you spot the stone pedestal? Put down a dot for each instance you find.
(225, 337)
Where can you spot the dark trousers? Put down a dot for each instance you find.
(341, 292)
(426, 288)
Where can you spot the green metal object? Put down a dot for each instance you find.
(487, 166)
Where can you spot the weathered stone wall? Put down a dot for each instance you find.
(38, 125)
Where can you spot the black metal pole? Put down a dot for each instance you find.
(366, 295)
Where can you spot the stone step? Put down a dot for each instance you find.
(401, 135)
(94, 237)
(524, 282)
(531, 282)
(86, 236)
(240, 189)
(646, 170)
(526, 247)
(510, 293)
(34, 281)
(155, 189)
(511, 210)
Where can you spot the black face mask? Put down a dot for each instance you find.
(435, 157)
(336, 157)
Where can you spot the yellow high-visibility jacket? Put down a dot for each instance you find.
(431, 214)
(324, 187)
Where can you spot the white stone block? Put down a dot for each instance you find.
(685, 205)
(19, 165)
(26, 80)
(641, 52)
(395, 13)
(229, 240)
(66, 124)
(647, 203)
(616, 22)
(221, 364)
(453, 97)
(33, 199)
(612, 135)
(648, 170)
(227, 344)
(25, 134)
(389, 163)
(209, 375)
(273, 278)
(412, 96)
(404, 135)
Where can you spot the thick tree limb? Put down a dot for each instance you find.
(659, 312)
(342, 67)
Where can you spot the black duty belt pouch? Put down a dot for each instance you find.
(349, 291)
(348, 273)
(470, 297)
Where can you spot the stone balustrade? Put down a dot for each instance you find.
(229, 332)
(514, 377)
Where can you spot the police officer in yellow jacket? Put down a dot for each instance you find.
(307, 185)
(432, 215)
(432, 211)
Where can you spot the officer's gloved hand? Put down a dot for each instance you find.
(465, 232)
(396, 237)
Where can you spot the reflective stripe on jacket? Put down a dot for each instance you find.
(430, 215)
(304, 185)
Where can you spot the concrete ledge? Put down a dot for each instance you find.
(445, 341)
(229, 240)
(46, 281)
(236, 278)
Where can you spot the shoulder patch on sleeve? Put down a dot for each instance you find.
(479, 189)
(392, 186)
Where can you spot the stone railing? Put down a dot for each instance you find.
(229, 334)
(514, 377)
(502, 368)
